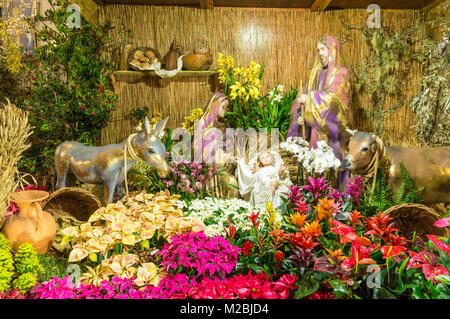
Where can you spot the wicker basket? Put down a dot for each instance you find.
(415, 217)
(72, 201)
(144, 49)
(291, 161)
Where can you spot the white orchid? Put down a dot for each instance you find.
(316, 160)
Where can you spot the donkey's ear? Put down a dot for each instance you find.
(160, 126)
(147, 126)
(351, 132)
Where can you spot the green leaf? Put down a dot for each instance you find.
(306, 287)
(382, 293)
(340, 289)
(444, 279)
(65, 240)
(93, 257)
(145, 244)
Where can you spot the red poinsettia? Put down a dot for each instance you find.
(439, 243)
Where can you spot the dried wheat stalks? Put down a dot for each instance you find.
(14, 131)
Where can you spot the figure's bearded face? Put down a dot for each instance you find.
(323, 54)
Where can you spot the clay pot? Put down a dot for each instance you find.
(197, 62)
(31, 224)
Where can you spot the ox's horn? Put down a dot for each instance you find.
(351, 132)
(147, 126)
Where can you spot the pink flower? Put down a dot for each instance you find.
(444, 222)
(417, 260)
(440, 244)
(431, 271)
(195, 251)
(198, 185)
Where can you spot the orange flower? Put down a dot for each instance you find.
(326, 203)
(324, 208)
(336, 253)
(298, 219)
(312, 229)
(355, 217)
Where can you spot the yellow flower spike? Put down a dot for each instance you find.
(269, 207)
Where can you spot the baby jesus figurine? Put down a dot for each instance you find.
(266, 182)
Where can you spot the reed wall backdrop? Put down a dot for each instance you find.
(284, 39)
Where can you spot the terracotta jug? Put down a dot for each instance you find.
(31, 224)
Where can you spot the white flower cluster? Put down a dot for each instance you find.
(213, 212)
(315, 160)
(278, 96)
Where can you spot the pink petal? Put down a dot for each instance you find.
(444, 222)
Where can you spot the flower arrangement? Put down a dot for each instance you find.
(180, 286)
(113, 231)
(215, 213)
(314, 160)
(191, 180)
(199, 254)
(243, 83)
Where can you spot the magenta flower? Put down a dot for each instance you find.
(355, 186)
(316, 186)
(441, 223)
(196, 252)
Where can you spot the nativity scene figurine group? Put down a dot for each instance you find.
(320, 112)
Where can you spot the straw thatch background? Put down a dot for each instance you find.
(284, 39)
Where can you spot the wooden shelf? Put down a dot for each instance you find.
(123, 73)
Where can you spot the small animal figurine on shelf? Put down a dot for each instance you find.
(170, 60)
(199, 60)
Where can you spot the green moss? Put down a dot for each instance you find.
(53, 267)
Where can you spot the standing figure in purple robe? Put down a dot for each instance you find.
(325, 108)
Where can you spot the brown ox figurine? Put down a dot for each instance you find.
(105, 164)
(428, 167)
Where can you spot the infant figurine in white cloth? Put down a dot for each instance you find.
(265, 178)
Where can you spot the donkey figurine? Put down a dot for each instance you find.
(105, 164)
